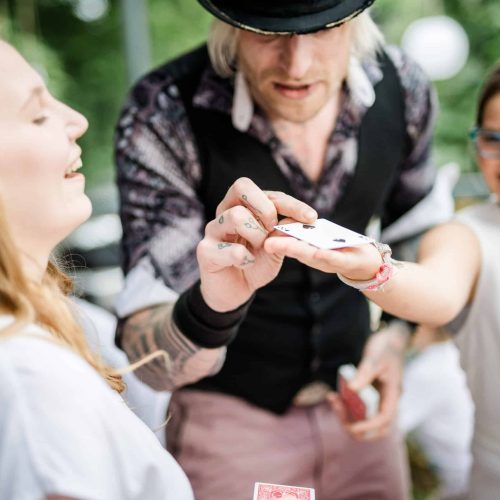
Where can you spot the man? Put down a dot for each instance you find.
(293, 97)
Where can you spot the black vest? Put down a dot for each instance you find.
(305, 324)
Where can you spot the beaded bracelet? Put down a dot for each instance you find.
(385, 272)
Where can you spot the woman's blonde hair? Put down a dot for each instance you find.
(223, 43)
(45, 304)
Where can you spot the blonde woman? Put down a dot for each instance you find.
(65, 432)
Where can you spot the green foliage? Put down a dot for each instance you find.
(86, 63)
(457, 96)
(176, 26)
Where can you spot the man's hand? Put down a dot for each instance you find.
(232, 260)
(382, 365)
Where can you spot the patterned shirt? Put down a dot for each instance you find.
(159, 172)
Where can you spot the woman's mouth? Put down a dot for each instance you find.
(71, 170)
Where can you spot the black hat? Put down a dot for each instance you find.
(285, 16)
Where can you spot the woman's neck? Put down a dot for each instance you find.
(34, 267)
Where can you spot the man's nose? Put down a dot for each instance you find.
(297, 55)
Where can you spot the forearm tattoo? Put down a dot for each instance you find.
(153, 330)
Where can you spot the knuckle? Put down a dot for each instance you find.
(237, 214)
(242, 184)
(238, 252)
(203, 245)
(202, 248)
(209, 228)
(220, 208)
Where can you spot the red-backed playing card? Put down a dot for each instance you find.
(266, 491)
(359, 405)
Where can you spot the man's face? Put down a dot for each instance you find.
(293, 77)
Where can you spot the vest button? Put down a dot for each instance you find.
(315, 364)
(315, 297)
(316, 329)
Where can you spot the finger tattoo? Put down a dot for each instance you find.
(251, 224)
(244, 197)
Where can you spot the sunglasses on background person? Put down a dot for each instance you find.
(486, 142)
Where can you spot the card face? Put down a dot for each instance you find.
(324, 234)
(359, 405)
(267, 491)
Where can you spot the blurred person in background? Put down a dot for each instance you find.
(456, 281)
(65, 432)
(436, 409)
(288, 96)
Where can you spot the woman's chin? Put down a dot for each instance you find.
(78, 212)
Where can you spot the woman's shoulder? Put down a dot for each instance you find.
(44, 370)
(33, 350)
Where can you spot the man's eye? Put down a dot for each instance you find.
(39, 120)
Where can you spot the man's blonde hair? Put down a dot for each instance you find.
(223, 43)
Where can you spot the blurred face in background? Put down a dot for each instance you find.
(292, 77)
(40, 192)
(490, 163)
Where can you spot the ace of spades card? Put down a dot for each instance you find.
(324, 234)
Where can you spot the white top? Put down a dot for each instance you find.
(437, 409)
(99, 327)
(64, 431)
(479, 337)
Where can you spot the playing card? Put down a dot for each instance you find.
(324, 234)
(359, 405)
(266, 491)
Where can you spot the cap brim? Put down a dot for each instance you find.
(328, 18)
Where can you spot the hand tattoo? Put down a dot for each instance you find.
(220, 246)
(247, 261)
(251, 224)
(244, 197)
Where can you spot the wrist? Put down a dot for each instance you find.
(221, 304)
(203, 325)
(397, 334)
(383, 273)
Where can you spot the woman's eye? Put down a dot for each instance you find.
(39, 120)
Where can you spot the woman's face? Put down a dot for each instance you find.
(491, 166)
(42, 197)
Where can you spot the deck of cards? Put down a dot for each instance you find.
(266, 491)
(324, 234)
(359, 405)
